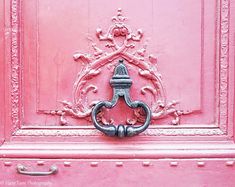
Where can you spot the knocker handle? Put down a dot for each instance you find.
(121, 84)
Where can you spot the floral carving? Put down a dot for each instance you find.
(94, 132)
(15, 80)
(146, 64)
(224, 48)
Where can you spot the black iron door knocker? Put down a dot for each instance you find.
(121, 84)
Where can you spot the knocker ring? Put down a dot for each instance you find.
(121, 83)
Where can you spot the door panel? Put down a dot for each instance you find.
(61, 67)
(57, 47)
(58, 35)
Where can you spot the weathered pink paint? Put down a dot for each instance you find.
(167, 172)
(56, 60)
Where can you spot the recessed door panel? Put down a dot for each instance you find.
(174, 42)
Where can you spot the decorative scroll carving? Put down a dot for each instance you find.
(223, 80)
(146, 64)
(15, 67)
(94, 132)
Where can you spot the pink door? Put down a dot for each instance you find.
(121, 93)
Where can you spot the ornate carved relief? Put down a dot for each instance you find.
(94, 132)
(223, 80)
(122, 42)
(15, 64)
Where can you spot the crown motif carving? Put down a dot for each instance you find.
(119, 29)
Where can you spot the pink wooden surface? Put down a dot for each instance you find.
(46, 46)
(166, 172)
(51, 36)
